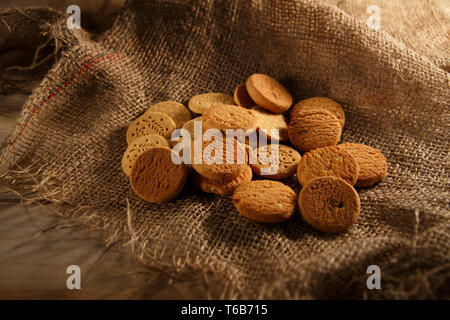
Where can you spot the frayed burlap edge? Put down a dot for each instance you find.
(23, 182)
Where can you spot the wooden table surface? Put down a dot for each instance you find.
(37, 246)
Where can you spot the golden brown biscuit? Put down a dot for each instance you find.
(268, 93)
(286, 166)
(328, 161)
(224, 189)
(202, 102)
(138, 146)
(155, 177)
(224, 117)
(175, 110)
(265, 201)
(151, 123)
(219, 167)
(314, 128)
(329, 204)
(189, 126)
(320, 103)
(372, 163)
(268, 120)
(242, 98)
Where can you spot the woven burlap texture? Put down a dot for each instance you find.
(67, 145)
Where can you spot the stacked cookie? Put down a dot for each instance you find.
(156, 172)
(327, 171)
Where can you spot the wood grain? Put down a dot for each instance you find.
(37, 246)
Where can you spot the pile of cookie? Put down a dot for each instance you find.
(327, 172)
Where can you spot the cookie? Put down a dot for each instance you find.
(265, 201)
(320, 103)
(372, 163)
(314, 128)
(268, 121)
(328, 161)
(189, 126)
(227, 116)
(179, 113)
(202, 102)
(155, 177)
(151, 123)
(286, 166)
(329, 204)
(224, 189)
(241, 97)
(138, 146)
(215, 166)
(268, 93)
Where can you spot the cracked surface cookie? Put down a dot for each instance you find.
(268, 93)
(202, 102)
(328, 161)
(224, 117)
(372, 163)
(268, 120)
(265, 201)
(314, 128)
(320, 103)
(329, 204)
(226, 188)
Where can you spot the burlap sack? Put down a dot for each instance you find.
(67, 145)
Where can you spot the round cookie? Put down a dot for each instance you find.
(268, 120)
(155, 177)
(179, 113)
(202, 102)
(265, 201)
(328, 161)
(151, 123)
(329, 204)
(138, 146)
(224, 189)
(242, 98)
(224, 117)
(268, 93)
(288, 159)
(214, 166)
(320, 103)
(314, 128)
(372, 163)
(189, 126)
